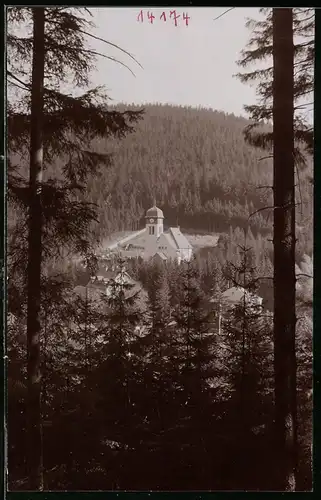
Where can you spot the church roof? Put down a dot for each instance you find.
(179, 238)
(161, 255)
(141, 241)
(155, 212)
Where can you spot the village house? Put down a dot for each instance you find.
(237, 295)
(109, 279)
(233, 297)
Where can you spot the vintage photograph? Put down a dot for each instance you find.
(159, 248)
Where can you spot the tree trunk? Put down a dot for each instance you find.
(284, 250)
(34, 428)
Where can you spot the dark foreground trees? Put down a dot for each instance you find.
(54, 217)
(287, 36)
(34, 425)
(284, 249)
(188, 410)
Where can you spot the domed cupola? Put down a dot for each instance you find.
(154, 221)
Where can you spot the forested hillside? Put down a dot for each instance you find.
(204, 176)
(197, 165)
(200, 169)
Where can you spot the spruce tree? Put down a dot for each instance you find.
(246, 353)
(34, 431)
(48, 125)
(121, 345)
(260, 48)
(196, 344)
(159, 347)
(284, 249)
(281, 87)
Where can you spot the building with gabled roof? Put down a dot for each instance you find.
(159, 257)
(108, 279)
(237, 294)
(233, 297)
(171, 244)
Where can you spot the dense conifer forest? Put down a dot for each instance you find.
(197, 165)
(200, 170)
(132, 402)
(151, 395)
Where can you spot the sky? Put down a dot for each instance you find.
(185, 65)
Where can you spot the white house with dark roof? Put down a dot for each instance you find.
(109, 279)
(154, 242)
(237, 295)
(231, 298)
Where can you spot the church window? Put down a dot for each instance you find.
(151, 230)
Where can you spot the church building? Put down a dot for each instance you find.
(154, 242)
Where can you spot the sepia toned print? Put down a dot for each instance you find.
(160, 248)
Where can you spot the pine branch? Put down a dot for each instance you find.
(25, 85)
(18, 86)
(112, 45)
(110, 58)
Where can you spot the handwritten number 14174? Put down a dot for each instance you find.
(164, 16)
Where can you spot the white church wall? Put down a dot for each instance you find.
(152, 239)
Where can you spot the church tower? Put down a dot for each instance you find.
(154, 221)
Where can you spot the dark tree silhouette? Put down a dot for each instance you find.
(284, 248)
(34, 429)
(39, 127)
